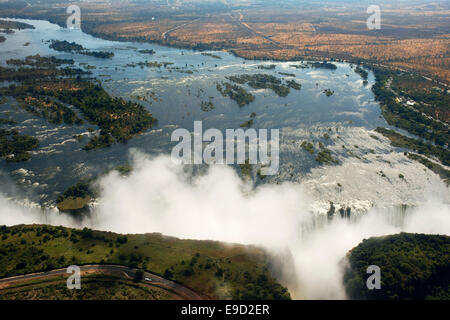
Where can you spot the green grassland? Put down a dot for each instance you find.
(413, 266)
(74, 204)
(308, 146)
(213, 269)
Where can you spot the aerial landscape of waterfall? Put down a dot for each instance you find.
(168, 162)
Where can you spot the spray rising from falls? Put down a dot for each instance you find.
(159, 196)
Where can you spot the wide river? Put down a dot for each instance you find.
(175, 96)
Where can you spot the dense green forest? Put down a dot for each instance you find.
(147, 51)
(207, 54)
(413, 266)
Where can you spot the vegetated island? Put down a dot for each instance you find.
(265, 81)
(267, 67)
(413, 266)
(236, 93)
(324, 156)
(322, 65)
(207, 54)
(287, 74)
(8, 26)
(147, 51)
(75, 200)
(72, 47)
(49, 90)
(262, 81)
(212, 269)
(363, 73)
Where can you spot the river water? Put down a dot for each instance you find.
(175, 98)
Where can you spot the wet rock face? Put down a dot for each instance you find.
(331, 212)
(344, 212)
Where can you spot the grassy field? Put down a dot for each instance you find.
(213, 269)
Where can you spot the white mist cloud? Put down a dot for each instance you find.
(158, 196)
(12, 213)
